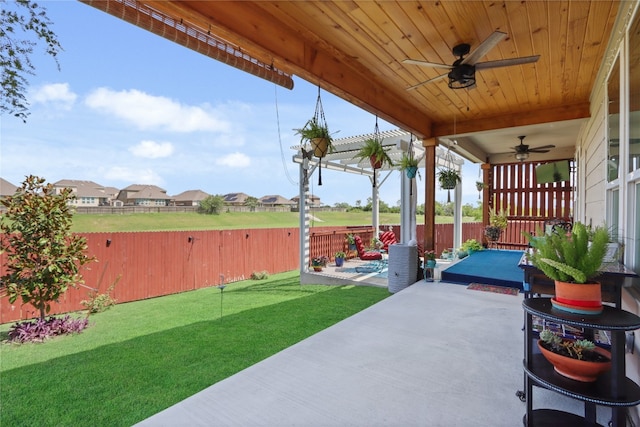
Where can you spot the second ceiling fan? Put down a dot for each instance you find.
(522, 150)
(462, 72)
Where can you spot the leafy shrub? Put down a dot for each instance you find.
(99, 302)
(39, 330)
(260, 275)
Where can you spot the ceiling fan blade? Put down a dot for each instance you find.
(427, 64)
(507, 62)
(543, 147)
(484, 47)
(426, 81)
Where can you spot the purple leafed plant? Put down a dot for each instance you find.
(39, 330)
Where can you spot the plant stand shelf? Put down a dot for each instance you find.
(612, 389)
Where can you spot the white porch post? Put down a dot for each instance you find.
(457, 216)
(408, 199)
(304, 218)
(375, 205)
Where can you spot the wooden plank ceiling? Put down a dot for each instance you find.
(356, 49)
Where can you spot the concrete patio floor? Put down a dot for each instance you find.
(433, 354)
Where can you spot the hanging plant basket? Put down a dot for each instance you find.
(412, 171)
(320, 147)
(373, 150)
(316, 132)
(448, 179)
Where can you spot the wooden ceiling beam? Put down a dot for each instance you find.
(503, 121)
(251, 27)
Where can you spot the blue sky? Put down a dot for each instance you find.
(129, 107)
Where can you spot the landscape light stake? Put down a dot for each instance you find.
(221, 286)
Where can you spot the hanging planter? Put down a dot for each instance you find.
(448, 179)
(320, 147)
(373, 150)
(409, 164)
(316, 132)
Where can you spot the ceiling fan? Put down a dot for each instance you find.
(462, 72)
(522, 150)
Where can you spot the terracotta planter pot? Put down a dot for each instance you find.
(583, 298)
(376, 164)
(579, 370)
(317, 268)
(320, 147)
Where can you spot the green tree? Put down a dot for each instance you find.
(252, 202)
(211, 205)
(21, 21)
(342, 205)
(43, 255)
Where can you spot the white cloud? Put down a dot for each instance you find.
(55, 93)
(234, 160)
(155, 112)
(133, 176)
(152, 149)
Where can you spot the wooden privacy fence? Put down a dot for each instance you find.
(151, 264)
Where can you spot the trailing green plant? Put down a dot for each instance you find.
(448, 178)
(350, 238)
(43, 256)
(570, 257)
(373, 149)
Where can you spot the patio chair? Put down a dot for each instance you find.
(388, 238)
(366, 255)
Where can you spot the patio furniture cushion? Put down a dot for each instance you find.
(366, 255)
(388, 238)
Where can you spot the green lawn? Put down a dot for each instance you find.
(141, 357)
(235, 220)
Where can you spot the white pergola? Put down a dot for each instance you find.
(396, 142)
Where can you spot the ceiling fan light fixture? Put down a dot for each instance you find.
(462, 76)
(522, 156)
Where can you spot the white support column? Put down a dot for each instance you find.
(457, 216)
(408, 199)
(375, 206)
(304, 218)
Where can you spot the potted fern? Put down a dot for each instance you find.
(572, 260)
(409, 164)
(318, 135)
(373, 150)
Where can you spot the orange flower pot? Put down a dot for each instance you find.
(578, 298)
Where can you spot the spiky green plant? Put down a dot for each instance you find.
(570, 257)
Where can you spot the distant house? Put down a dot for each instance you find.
(235, 199)
(190, 198)
(144, 195)
(276, 200)
(314, 201)
(88, 193)
(6, 188)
